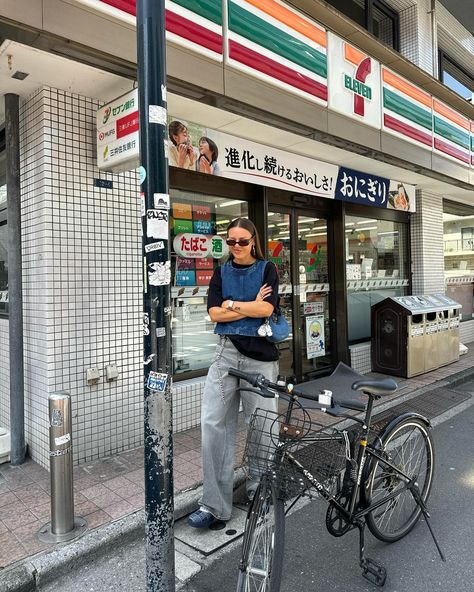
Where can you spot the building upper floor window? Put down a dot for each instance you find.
(375, 16)
(455, 77)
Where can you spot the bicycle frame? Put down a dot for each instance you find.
(364, 450)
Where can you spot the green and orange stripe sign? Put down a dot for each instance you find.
(406, 110)
(197, 24)
(277, 44)
(451, 133)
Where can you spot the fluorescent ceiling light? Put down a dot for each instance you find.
(232, 202)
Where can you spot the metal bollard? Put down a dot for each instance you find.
(63, 526)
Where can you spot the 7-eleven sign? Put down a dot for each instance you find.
(353, 82)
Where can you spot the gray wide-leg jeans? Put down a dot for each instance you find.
(220, 409)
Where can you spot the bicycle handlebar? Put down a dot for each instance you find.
(259, 381)
(263, 385)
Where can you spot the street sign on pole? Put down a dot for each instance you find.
(159, 505)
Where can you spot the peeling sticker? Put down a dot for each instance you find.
(56, 418)
(142, 174)
(161, 200)
(163, 92)
(146, 324)
(154, 247)
(167, 310)
(157, 224)
(62, 439)
(160, 274)
(157, 114)
(160, 331)
(142, 199)
(157, 381)
(148, 359)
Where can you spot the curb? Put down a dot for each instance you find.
(29, 574)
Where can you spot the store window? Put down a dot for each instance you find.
(458, 230)
(198, 231)
(455, 77)
(376, 268)
(375, 16)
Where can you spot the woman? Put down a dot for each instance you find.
(241, 294)
(207, 159)
(180, 151)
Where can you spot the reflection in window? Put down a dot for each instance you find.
(376, 268)
(458, 230)
(198, 230)
(455, 77)
(375, 16)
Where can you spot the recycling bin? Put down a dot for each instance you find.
(412, 335)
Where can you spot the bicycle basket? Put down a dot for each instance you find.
(320, 450)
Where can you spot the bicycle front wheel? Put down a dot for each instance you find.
(408, 446)
(264, 538)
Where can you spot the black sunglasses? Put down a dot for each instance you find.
(242, 242)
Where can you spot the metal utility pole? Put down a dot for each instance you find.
(15, 290)
(159, 505)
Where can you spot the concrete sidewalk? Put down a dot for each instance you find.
(109, 495)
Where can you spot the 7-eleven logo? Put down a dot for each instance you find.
(356, 83)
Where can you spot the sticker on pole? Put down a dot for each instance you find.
(62, 439)
(157, 224)
(159, 273)
(56, 418)
(157, 114)
(157, 381)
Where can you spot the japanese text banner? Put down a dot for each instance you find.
(248, 161)
(372, 190)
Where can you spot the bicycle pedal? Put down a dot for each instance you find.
(374, 572)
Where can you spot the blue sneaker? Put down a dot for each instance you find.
(201, 519)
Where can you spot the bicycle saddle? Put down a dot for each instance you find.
(376, 386)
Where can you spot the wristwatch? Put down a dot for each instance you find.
(230, 305)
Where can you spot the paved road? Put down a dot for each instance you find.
(314, 560)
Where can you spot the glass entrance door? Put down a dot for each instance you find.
(298, 245)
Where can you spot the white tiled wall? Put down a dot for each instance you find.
(82, 286)
(427, 244)
(360, 357)
(466, 332)
(4, 375)
(82, 279)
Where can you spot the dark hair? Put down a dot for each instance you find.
(212, 146)
(174, 128)
(250, 226)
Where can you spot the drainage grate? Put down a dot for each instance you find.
(430, 404)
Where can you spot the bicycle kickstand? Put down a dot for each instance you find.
(371, 570)
(424, 510)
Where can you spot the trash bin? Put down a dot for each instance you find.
(414, 334)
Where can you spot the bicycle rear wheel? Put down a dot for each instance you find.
(409, 447)
(262, 550)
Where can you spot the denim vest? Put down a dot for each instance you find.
(241, 284)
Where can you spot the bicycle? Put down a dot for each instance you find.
(377, 479)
